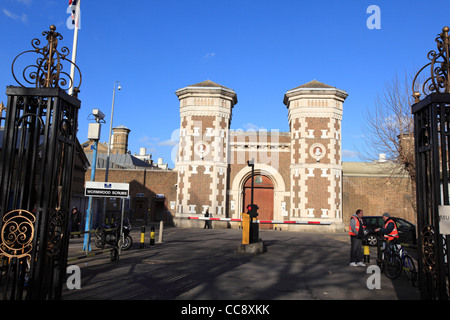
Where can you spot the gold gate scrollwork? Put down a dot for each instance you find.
(428, 249)
(55, 233)
(17, 234)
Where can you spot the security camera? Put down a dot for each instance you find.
(98, 115)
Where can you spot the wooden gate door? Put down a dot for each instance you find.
(262, 197)
(140, 209)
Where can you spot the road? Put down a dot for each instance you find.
(202, 264)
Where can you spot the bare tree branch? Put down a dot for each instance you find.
(389, 130)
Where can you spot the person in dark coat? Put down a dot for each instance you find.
(207, 222)
(356, 232)
(75, 217)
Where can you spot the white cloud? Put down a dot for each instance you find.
(168, 143)
(148, 140)
(152, 141)
(13, 16)
(209, 55)
(27, 2)
(349, 154)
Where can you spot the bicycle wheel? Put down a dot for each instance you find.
(393, 266)
(410, 268)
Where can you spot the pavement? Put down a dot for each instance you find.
(203, 265)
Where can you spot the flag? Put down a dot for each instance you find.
(74, 6)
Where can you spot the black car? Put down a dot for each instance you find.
(406, 230)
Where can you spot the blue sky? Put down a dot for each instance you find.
(260, 49)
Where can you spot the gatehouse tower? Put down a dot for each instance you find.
(315, 114)
(205, 115)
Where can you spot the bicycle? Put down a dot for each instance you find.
(390, 261)
(395, 259)
(408, 265)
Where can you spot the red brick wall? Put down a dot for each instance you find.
(146, 182)
(376, 195)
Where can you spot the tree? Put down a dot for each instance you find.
(389, 130)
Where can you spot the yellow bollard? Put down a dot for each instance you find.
(245, 228)
(366, 253)
(152, 236)
(142, 237)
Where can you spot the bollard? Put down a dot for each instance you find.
(245, 228)
(366, 252)
(161, 227)
(152, 236)
(142, 237)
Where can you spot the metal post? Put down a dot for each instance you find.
(252, 165)
(161, 229)
(254, 234)
(88, 223)
(109, 144)
(120, 242)
(95, 136)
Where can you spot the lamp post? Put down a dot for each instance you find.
(109, 142)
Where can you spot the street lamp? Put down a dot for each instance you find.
(109, 142)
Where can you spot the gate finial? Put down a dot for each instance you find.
(439, 80)
(47, 71)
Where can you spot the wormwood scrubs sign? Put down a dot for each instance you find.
(444, 219)
(106, 189)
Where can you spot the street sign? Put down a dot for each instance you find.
(444, 219)
(106, 189)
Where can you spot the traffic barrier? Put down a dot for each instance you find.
(263, 221)
(74, 233)
(88, 255)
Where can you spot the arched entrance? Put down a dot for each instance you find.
(263, 195)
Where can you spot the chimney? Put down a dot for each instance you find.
(120, 140)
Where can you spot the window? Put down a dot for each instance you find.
(403, 224)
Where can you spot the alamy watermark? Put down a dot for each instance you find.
(374, 20)
(74, 279)
(226, 146)
(74, 18)
(374, 280)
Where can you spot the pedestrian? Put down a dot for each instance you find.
(207, 222)
(356, 232)
(389, 230)
(76, 221)
(210, 222)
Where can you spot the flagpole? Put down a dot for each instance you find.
(74, 49)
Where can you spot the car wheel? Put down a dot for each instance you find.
(372, 240)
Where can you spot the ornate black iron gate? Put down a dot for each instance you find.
(432, 152)
(36, 165)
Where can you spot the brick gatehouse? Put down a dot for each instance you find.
(299, 175)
